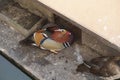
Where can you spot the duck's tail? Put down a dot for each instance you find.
(27, 41)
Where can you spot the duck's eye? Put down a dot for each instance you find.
(63, 30)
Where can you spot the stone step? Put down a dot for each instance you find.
(18, 17)
(18, 14)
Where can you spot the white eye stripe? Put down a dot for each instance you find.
(60, 30)
(45, 35)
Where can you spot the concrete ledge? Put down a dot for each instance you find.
(98, 45)
(14, 24)
(43, 64)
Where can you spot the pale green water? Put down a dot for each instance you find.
(10, 72)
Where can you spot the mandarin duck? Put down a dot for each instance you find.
(51, 38)
(57, 41)
(105, 66)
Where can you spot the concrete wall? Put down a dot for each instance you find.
(35, 7)
(97, 45)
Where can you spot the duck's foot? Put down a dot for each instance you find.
(54, 51)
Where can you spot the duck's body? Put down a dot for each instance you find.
(52, 45)
(102, 66)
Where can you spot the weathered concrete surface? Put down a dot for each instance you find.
(43, 64)
(18, 14)
(19, 18)
(98, 45)
(35, 7)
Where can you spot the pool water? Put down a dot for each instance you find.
(8, 71)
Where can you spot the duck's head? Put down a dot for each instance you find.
(61, 35)
(52, 28)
